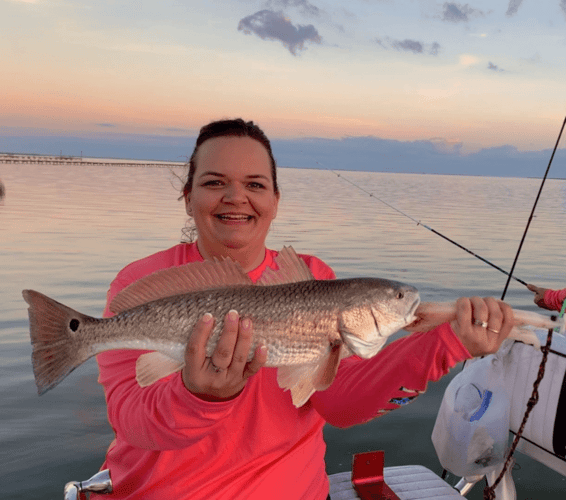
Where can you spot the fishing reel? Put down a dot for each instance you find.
(99, 483)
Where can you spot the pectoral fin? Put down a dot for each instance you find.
(152, 366)
(304, 380)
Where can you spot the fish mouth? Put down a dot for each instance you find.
(411, 316)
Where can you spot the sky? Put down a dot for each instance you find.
(134, 78)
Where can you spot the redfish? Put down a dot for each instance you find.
(307, 325)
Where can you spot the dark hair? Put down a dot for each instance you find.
(230, 128)
(225, 128)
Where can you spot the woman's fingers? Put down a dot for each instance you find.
(259, 359)
(482, 324)
(195, 353)
(222, 375)
(221, 358)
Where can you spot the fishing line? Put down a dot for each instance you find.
(533, 210)
(419, 223)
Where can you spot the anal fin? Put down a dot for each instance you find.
(304, 380)
(152, 366)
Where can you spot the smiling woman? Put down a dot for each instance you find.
(221, 426)
(232, 199)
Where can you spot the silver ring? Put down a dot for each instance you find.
(492, 330)
(217, 369)
(483, 324)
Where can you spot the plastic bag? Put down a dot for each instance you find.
(471, 433)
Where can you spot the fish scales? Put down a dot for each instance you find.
(296, 321)
(307, 325)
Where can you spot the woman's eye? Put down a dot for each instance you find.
(256, 185)
(212, 183)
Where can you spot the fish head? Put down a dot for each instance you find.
(377, 308)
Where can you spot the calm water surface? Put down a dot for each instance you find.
(67, 231)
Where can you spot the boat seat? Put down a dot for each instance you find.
(544, 437)
(408, 482)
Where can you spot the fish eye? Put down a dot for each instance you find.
(74, 324)
(400, 295)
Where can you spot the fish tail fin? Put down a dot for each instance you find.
(53, 331)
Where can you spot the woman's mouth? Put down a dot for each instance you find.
(233, 217)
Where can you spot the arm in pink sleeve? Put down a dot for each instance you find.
(162, 416)
(554, 299)
(365, 389)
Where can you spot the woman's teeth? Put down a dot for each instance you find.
(233, 217)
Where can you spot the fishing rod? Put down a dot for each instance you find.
(419, 223)
(533, 210)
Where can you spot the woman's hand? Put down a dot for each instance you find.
(223, 375)
(482, 324)
(539, 296)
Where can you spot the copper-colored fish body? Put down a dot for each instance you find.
(302, 323)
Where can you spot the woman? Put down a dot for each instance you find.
(222, 428)
(548, 299)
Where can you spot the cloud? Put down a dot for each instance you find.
(275, 26)
(493, 67)
(437, 155)
(563, 6)
(408, 45)
(105, 125)
(456, 13)
(513, 7)
(303, 5)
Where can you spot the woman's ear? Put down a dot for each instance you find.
(188, 207)
(277, 197)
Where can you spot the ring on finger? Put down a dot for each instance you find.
(483, 324)
(217, 369)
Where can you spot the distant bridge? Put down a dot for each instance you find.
(79, 161)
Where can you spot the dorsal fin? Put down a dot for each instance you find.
(215, 273)
(190, 277)
(291, 269)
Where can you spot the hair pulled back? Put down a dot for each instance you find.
(225, 128)
(230, 128)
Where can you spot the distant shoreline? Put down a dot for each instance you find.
(15, 158)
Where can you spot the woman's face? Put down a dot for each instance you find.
(232, 200)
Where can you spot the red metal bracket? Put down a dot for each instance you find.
(367, 477)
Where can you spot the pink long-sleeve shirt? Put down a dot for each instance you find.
(171, 444)
(554, 299)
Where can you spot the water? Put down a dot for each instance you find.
(67, 231)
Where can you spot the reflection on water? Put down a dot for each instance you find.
(67, 231)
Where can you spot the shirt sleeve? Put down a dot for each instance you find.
(162, 416)
(554, 299)
(365, 389)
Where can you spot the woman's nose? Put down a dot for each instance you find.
(235, 193)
